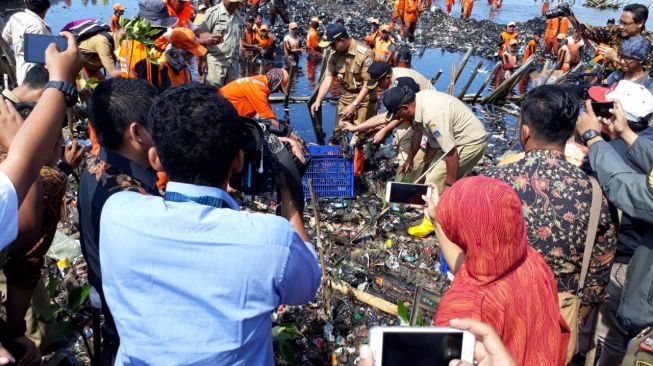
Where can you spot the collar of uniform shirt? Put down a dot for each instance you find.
(192, 190)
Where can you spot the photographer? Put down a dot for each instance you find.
(625, 172)
(205, 278)
(631, 23)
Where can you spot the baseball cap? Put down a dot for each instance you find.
(156, 12)
(512, 41)
(636, 47)
(377, 70)
(293, 25)
(236, 1)
(184, 38)
(118, 6)
(202, 7)
(264, 27)
(636, 100)
(393, 99)
(406, 81)
(561, 36)
(335, 32)
(385, 27)
(374, 20)
(316, 20)
(512, 24)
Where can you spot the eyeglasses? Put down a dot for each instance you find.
(627, 58)
(621, 22)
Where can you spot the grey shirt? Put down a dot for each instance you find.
(218, 20)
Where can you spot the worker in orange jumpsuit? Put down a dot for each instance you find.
(118, 11)
(531, 47)
(411, 13)
(384, 49)
(371, 38)
(507, 36)
(468, 5)
(266, 41)
(545, 6)
(398, 13)
(313, 39)
(554, 27)
(450, 4)
(250, 95)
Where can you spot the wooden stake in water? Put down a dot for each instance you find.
(486, 81)
(452, 85)
(471, 79)
(326, 289)
(291, 79)
(436, 77)
(468, 54)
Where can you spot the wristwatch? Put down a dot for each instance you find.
(356, 105)
(589, 134)
(69, 91)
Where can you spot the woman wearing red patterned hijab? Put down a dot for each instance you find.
(502, 281)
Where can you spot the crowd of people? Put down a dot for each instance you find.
(550, 250)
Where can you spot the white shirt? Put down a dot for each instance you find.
(20, 23)
(8, 211)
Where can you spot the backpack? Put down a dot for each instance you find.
(84, 29)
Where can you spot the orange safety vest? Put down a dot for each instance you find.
(507, 37)
(131, 52)
(250, 36)
(381, 51)
(184, 16)
(399, 6)
(312, 39)
(249, 96)
(372, 37)
(265, 43)
(115, 23)
(554, 27)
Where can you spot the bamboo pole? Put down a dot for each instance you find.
(468, 54)
(365, 298)
(506, 86)
(320, 251)
(416, 301)
(435, 78)
(549, 73)
(452, 85)
(486, 81)
(291, 79)
(566, 75)
(461, 95)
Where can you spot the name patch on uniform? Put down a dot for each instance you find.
(436, 134)
(361, 49)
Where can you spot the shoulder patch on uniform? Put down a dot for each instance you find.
(368, 62)
(650, 181)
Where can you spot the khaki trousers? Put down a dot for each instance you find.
(468, 157)
(222, 73)
(401, 142)
(569, 308)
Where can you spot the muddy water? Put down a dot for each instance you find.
(428, 62)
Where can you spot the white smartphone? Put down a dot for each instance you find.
(406, 193)
(416, 346)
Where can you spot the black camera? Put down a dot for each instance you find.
(266, 157)
(562, 10)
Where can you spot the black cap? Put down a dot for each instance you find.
(393, 99)
(335, 32)
(406, 81)
(156, 12)
(377, 70)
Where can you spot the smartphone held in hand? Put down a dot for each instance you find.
(433, 346)
(36, 44)
(602, 109)
(406, 193)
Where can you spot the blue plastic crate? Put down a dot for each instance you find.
(332, 175)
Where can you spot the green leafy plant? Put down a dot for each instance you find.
(281, 337)
(142, 31)
(404, 316)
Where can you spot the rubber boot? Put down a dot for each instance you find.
(359, 161)
(422, 230)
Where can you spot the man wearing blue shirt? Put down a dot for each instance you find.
(189, 278)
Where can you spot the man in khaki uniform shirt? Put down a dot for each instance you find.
(349, 63)
(450, 128)
(97, 53)
(222, 59)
